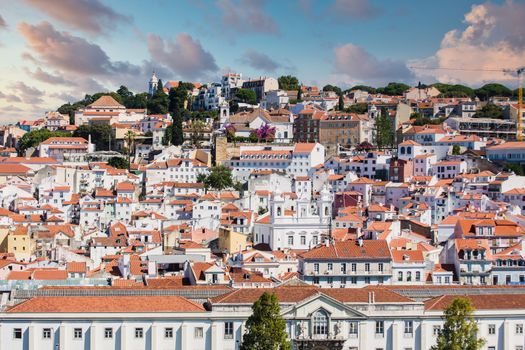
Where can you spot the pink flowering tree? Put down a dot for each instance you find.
(230, 131)
(265, 132)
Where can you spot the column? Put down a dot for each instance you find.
(362, 335)
(154, 336)
(506, 334)
(423, 335)
(183, 335)
(62, 336)
(93, 336)
(123, 337)
(215, 336)
(394, 335)
(32, 338)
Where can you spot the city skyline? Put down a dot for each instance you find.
(58, 52)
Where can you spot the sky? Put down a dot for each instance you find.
(56, 51)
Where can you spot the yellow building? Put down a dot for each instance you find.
(21, 244)
(231, 241)
(4, 233)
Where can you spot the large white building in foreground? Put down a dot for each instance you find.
(367, 318)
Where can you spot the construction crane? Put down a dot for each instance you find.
(518, 71)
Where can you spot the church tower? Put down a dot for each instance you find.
(224, 112)
(153, 83)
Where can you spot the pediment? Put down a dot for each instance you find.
(336, 309)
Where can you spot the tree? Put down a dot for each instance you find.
(384, 135)
(219, 178)
(456, 90)
(359, 108)
(265, 328)
(366, 88)
(493, 89)
(130, 142)
(299, 94)
(100, 135)
(246, 96)
(456, 150)
(118, 162)
(196, 132)
(34, 138)
(158, 103)
(460, 329)
(490, 110)
(265, 132)
(515, 168)
(341, 104)
(393, 89)
(288, 82)
(177, 130)
(336, 89)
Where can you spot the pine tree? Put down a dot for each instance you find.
(300, 94)
(265, 328)
(460, 329)
(341, 105)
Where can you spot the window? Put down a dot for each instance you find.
(400, 276)
(168, 332)
(354, 267)
(17, 333)
(228, 330)
(330, 266)
(139, 333)
(380, 327)
(316, 280)
(46, 333)
(436, 330)
(343, 268)
(290, 240)
(418, 276)
(108, 333)
(380, 267)
(367, 267)
(519, 328)
(316, 268)
(352, 326)
(77, 333)
(409, 327)
(199, 332)
(303, 240)
(492, 329)
(320, 323)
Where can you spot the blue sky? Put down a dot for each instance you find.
(56, 51)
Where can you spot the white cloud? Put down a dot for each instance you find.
(494, 38)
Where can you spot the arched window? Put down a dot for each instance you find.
(402, 150)
(320, 323)
(278, 211)
(325, 211)
(409, 150)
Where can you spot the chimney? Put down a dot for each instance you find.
(371, 297)
(327, 242)
(360, 242)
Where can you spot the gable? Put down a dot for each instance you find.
(307, 307)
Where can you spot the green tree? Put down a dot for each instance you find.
(158, 103)
(456, 150)
(196, 132)
(393, 89)
(454, 90)
(288, 82)
(341, 103)
(490, 110)
(516, 168)
(177, 133)
(336, 89)
(100, 135)
(34, 138)
(219, 178)
(384, 135)
(299, 94)
(493, 89)
(246, 96)
(118, 162)
(265, 328)
(359, 108)
(366, 88)
(460, 329)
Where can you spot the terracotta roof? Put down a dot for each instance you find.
(105, 101)
(371, 249)
(407, 256)
(76, 267)
(110, 304)
(480, 302)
